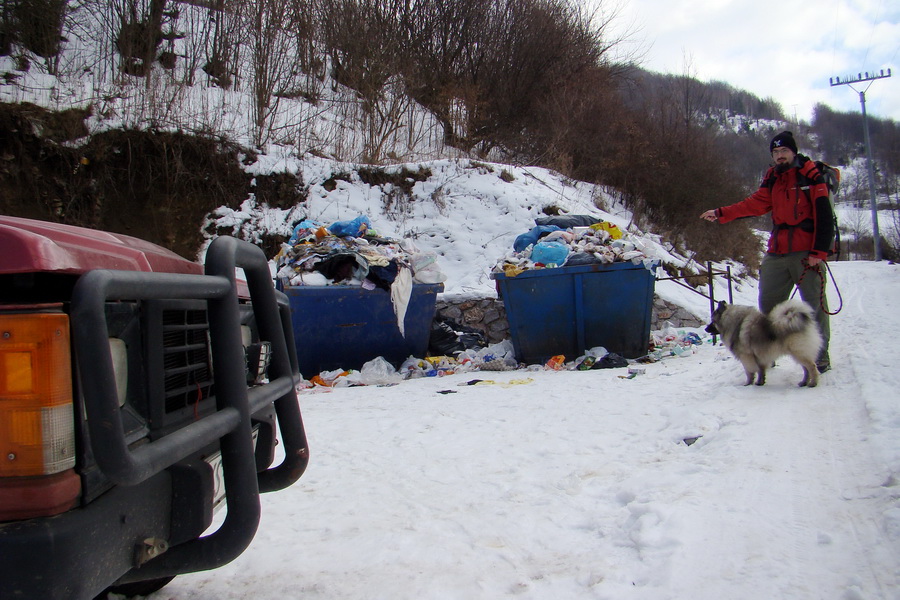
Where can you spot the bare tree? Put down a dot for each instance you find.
(222, 44)
(272, 62)
(139, 35)
(196, 24)
(533, 49)
(365, 42)
(302, 23)
(362, 40)
(37, 26)
(444, 38)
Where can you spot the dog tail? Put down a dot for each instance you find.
(790, 316)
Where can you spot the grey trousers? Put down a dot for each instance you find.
(778, 275)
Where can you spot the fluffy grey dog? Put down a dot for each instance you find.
(757, 340)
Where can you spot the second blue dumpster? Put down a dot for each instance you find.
(568, 310)
(344, 327)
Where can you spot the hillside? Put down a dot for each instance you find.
(144, 119)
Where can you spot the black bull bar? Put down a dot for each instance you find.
(235, 402)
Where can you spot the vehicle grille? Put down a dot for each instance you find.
(186, 358)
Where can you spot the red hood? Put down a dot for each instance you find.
(28, 246)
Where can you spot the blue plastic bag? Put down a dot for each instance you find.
(306, 225)
(355, 228)
(549, 253)
(532, 237)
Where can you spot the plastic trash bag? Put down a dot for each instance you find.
(549, 253)
(329, 378)
(413, 368)
(531, 237)
(449, 338)
(425, 268)
(567, 221)
(611, 228)
(499, 352)
(443, 340)
(355, 228)
(610, 361)
(378, 371)
(303, 229)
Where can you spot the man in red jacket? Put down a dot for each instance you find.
(802, 235)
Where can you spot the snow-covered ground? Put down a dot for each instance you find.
(580, 484)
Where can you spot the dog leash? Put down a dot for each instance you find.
(823, 277)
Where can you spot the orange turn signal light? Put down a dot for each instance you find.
(37, 430)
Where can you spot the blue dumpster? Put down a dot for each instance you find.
(569, 310)
(344, 327)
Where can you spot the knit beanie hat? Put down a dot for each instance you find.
(785, 139)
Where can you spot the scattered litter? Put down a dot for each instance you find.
(499, 364)
(556, 363)
(587, 363)
(510, 383)
(478, 382)
(670, 341)
(667, 343)
(328, 378)
(513, 382)
(377, 371)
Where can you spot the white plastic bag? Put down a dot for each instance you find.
(378, 371)
(425, 268)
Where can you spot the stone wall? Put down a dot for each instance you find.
(488, 315)
(664, 311)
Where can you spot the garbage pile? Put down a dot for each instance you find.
(351, 253)
(670, 341)
(666, 343)
(572, 240)
(378, 371)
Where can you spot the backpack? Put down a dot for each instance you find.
(832, 179)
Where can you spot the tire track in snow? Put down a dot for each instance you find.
(860, 519)
(792, 460)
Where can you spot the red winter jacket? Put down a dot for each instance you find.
(801, 211)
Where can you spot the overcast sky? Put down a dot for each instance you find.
(784, 50)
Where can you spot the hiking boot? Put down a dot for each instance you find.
(823, 365)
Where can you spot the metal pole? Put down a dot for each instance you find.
(876, 237)
(859, 78)
(712, 295)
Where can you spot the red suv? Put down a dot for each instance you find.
(139, 392)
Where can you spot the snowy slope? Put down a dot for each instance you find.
(467, 212)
